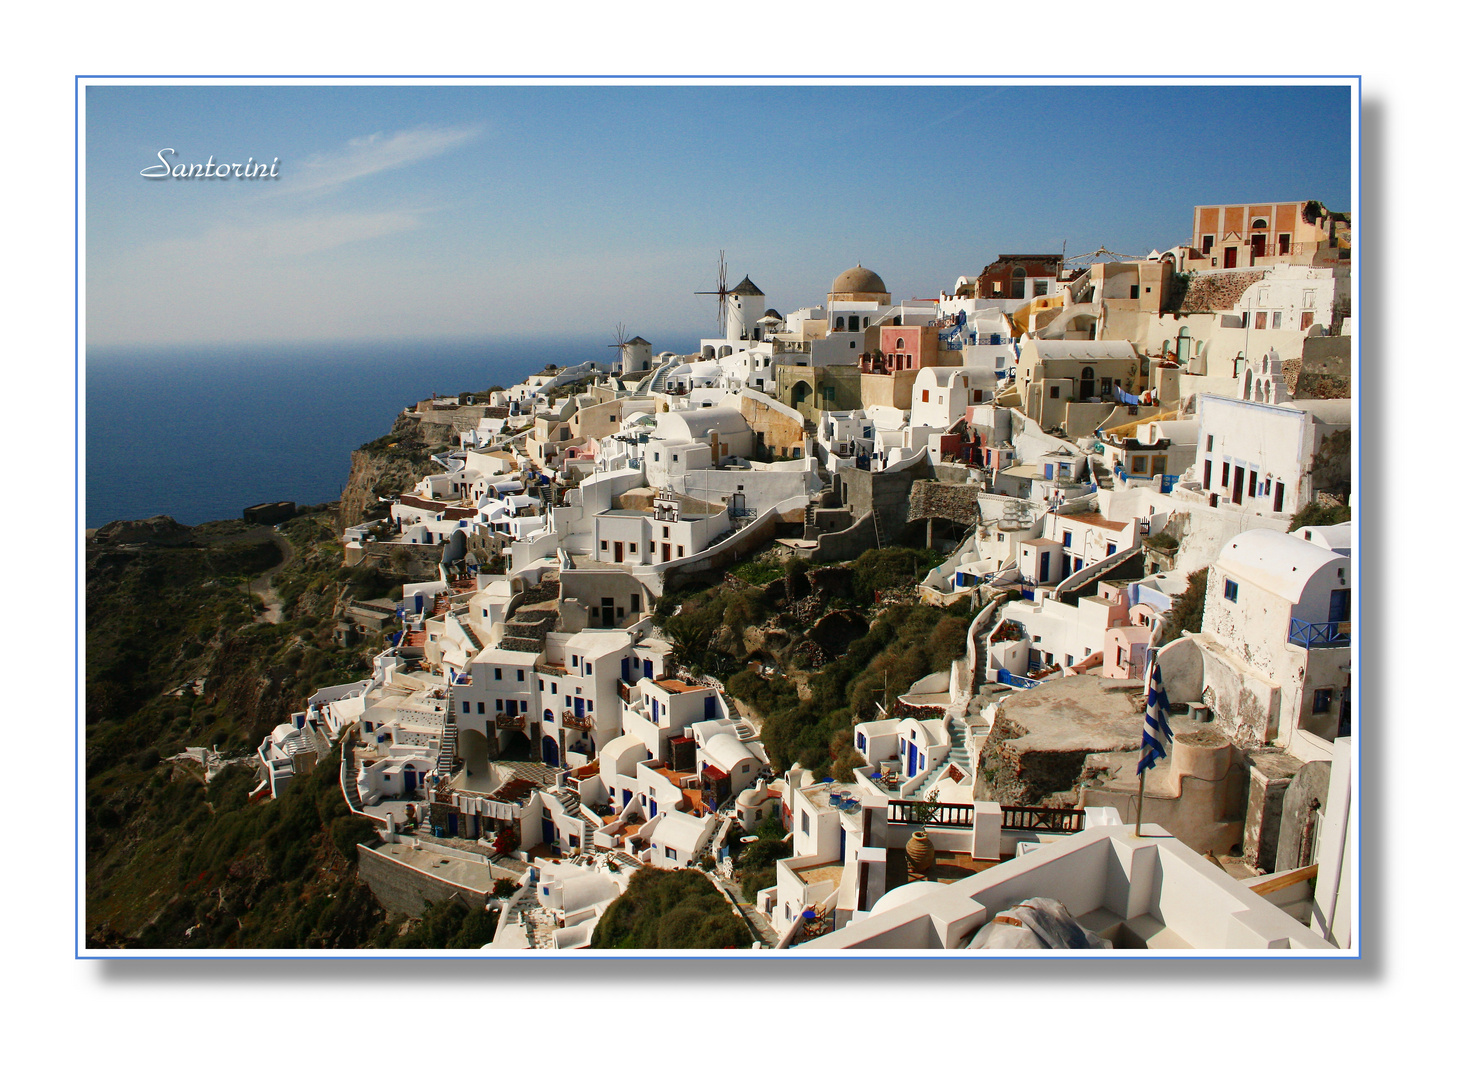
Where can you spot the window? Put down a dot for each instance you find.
(1322, 700)
(1306, 319)
(671, 854)
(1225, 475)
(635, 605)
(1207, 244)
(839, 323)
(900, 343)
(1284, 243)
(1111, 549)
(465, 709)
(589, 667)
(499, 675)
(1276, 500)
(1054, 391)
(1276, 320)
(1139, 465)
(633, 548)
(1041, 287)
(481, 708)
(1208, 444)
(1260, 320)
(1232, 590)
(1064, 539)
(681, 551)
(803, 821)
(604, 545)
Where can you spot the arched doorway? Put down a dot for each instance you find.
(550, 752)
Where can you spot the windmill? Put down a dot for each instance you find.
(720, 292)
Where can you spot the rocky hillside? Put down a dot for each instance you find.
(391, 464)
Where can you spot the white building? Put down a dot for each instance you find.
(941, 395)
(1149, 892)
(1271, 458)
(1275, 641)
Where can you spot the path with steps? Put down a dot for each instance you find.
(761, 929)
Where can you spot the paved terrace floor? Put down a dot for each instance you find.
(470, 873)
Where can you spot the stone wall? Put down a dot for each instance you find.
(1309, 785)
(406, 891)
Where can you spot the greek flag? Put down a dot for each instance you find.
(1156, 734)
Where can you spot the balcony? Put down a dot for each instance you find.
(502, 722)
(1323, 635)
(942, 815)
(627, 693)
(1043, 819)
(570, 720)
(552, 669)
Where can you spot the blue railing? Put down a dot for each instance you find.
(1323, 635)
(1008, 678)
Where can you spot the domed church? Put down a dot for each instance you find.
(858, 285)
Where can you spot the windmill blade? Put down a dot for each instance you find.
(720, 296)
(720, 292)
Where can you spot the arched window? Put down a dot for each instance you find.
(839, 323)
(900, 343)
(1258, 223)
(1016, 290)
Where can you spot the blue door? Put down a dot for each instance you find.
(710, 707)
(581, 707)
(627, 797)
(648, 669)
(1338, 605)
(409, 779)
(550, 751)
(547, 830)
(625, 669)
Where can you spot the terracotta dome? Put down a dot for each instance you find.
(857, 280)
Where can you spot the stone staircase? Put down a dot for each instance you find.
(447, 748)
(570, 801)
(347, 777)
(958, 754)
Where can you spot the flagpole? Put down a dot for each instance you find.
(1141, 780)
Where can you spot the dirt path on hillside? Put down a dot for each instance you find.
(262, 586)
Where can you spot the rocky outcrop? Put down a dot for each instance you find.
(390, 465)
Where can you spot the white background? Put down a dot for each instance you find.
(1409, 1002)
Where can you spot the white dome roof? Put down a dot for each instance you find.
(904, 894)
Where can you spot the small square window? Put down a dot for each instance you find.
(481, 708)
(1322, 700)
(1232, 590)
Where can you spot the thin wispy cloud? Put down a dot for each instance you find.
(374, 153)
(279, 239)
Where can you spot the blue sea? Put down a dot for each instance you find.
(199, 434)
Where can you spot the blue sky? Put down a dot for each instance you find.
(516, 213)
